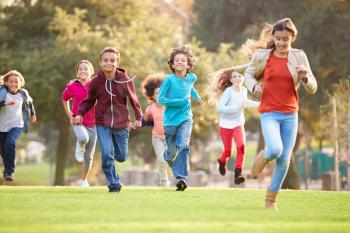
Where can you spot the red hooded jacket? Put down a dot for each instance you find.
(110, 97)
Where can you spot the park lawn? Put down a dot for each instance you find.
(74, 209)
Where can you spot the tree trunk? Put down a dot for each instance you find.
(61, 152)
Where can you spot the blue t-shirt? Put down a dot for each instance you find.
(174, 94)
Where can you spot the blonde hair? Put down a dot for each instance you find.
(218, 82)
(265, 40)
(6, 76)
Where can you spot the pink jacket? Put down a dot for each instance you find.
(77, 92)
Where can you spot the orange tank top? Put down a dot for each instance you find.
(279, 94)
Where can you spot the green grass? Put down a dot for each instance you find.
(66, 209)
(32, 174)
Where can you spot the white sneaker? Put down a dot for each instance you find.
(79, 152)
(84, 183)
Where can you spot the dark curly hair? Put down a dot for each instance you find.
(150, 84)
(183, 49)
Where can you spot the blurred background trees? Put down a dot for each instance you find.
(44, 39)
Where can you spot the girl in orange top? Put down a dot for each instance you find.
(154, 111)
(282, 70)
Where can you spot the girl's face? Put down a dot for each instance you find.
(283, 40)
(180, 63)
(109, 62)
(237, 79)
(84, 71)
(13, 84)
(155, 94)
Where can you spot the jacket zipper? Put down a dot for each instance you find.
(110, 87)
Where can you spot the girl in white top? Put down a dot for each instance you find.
(227, 92)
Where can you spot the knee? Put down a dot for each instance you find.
(183, 147)
(227, 152)
(240, 149)
(122, 157)
(274, 152)
(107, 163)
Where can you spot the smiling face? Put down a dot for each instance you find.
(13, 84)
(283, 41)
(236, 79)
(109, 62)
(180, 63)
(84, 71)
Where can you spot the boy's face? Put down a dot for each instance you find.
(109, 62)
(84, 71)
(180, 63)
(13, 84)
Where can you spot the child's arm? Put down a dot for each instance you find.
(222, 106)
(251, 103)
(196, 96)
(32, 117)
(173, 102)
(66, 97)
(135, 104)
(86, 104)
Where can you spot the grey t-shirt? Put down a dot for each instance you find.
(11, 115)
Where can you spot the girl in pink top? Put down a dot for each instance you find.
(77, 91)
(154, 111)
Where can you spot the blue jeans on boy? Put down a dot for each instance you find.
(113, 146)
(8, 148)
(279, 131)
(178, 148)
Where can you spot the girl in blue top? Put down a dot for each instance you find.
(175, 94)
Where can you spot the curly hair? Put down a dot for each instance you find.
(183, 49)
(218, 82)
(150, 84)
(6, 76)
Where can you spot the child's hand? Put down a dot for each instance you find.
(200, 101)
(138, 124)
(302, 72)
(32, 119)
(10, 102)
(258, 90)
(78, 120)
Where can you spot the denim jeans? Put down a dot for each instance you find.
(279, 131)
(178, 148)
(113, 146)
(8, 148)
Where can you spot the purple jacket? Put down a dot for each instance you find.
(110, 97)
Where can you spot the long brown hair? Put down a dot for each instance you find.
(218, 82)
(265, 40)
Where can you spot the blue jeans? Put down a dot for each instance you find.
(113, 146)
(279, 131)
(8, 148)
(178, 148)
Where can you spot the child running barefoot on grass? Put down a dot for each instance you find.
(227, 92)
(16, 111)
(154, 111)
(77, 91)
(175, 94)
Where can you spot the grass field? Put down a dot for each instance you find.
(67, 209)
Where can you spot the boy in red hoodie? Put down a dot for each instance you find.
(109, 90)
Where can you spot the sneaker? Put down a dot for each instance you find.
(222, 168)
(8, 177)
(181, 185)
(114, 190)
(239, 179)
(84, 183)
(79, 153)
